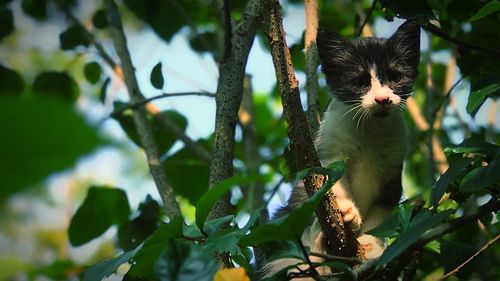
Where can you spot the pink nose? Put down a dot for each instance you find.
(382, 100)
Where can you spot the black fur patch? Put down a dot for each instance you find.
(347, 64)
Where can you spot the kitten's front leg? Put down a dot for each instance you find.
(349, 210)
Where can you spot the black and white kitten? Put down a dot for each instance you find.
(370, 79)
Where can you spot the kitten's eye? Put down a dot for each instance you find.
(394, 76)
(361, 81)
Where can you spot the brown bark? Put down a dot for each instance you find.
(341, 239)
(311, 66)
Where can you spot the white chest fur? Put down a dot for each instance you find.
(372, 147)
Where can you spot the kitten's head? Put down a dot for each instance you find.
(375, 74)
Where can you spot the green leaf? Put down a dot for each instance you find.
(187, 174)
(134, 232)
(290, 226)
(153, 247)
(441, 185)
(104, 90)
(74, 36)
(404, 216)
(488, 9)
(164, 140)
(387, 229)
(40, 136)
(422, 222)
(99, 19)
(56, 84)
(106, 268)
(12, 82)
(92, 72)
(482, 177)
(156, 77)
(37, 9)
(102, 208)
(477, 98)
(186, 262)
(6, 22)
(207, 201)
(225, 240)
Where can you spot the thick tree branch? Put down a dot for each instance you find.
(142, 124)
(228, 99)
(341, 240)
(311, 67)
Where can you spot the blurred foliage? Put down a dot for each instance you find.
(45, 132)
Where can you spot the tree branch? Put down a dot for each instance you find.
(340, 240)
(471, 258)
(142, 124)
(228, 99)
(367, 17)
(164, 95)
(311, 66)
(468, 46)
(163, 120)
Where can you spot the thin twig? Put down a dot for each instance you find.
(314, 273)
(164, 95)
(436, 31)
(327, 257)
(142, 124)
(470, 259)
(365, 21)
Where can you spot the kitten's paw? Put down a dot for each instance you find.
(350, 214)
(372, 245)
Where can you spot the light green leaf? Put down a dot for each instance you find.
(104, 269)
(207, 201)
(477, 98)
(422, 222)
(102, 208)
(490, 8)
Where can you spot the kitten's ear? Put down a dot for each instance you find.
(331, 46)
(406, 41)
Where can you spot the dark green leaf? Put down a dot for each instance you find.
(99, 19)
(12, 82)
(153, 247)
(35, 8)
(6, 22)
(290, 226)
(482, 177)
(134, 232)
(92, 72)
(387, 229)
(422, 222)
(56, 84)
(444, 180)
(104, 90)
(224, 241)
(404, 215)
(166, 18)
(58, 270)
(106, 268)
(207, 201)
(183, 261)
(102, 208)
(488, 9)
(164, 140)
(156, 77)
(74, 36)
(477, 98)
(40, 136)
(187, 174)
